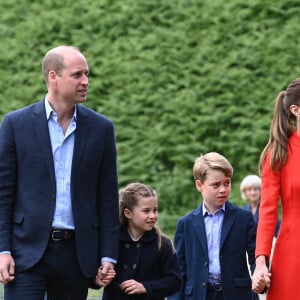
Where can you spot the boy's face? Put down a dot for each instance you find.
(215, 189)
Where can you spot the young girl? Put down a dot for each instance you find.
(147, 266)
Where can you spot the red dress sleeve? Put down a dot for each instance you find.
(268, 211)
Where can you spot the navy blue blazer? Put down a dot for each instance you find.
(238, 235)
(28, 188)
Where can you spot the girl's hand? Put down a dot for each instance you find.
(131, 287)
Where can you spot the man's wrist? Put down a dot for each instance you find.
(109, 259)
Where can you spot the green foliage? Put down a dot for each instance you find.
(178, 78)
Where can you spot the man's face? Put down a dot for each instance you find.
(72, 84)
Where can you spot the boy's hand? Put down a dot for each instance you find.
(261, 277)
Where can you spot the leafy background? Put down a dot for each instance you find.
(179, 78)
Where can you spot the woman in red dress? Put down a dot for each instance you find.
(279, 166)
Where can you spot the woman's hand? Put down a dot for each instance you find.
(261, 277)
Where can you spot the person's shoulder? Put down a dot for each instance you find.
(165, 239)
(246, 206)
(191, 215)
(86, 111)
(166, 243)
(24, 111)
(237, 209)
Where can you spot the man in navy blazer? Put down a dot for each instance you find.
(212, 241)
(58, 188)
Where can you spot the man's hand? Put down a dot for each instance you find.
(7, 268)
(105, 274)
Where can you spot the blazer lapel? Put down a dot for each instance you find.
(81, 136)
(43, 138)
(228, 221)
(199, 226)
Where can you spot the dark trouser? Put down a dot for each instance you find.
(214, 292)
(214, 295)
(58, 273)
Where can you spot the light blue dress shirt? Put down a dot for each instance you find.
(213, 226)
(62, 150)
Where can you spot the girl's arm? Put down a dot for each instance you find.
(170, 280)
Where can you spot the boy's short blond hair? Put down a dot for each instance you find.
(211, 161)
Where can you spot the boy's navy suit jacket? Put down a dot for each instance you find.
(238, 236)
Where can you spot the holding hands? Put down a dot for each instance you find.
(261, 277)
(105, 274)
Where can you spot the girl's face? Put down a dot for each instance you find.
(252, 193)
(144, 215)
(215, 189)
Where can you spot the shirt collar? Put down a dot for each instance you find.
(206, 212)
(50, 110)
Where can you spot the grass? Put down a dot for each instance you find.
(93, 294)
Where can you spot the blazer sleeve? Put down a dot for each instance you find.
(268, 210)
(251, 229)
(7, 183)
(108, 193)
(180, 251)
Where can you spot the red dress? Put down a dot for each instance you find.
(284, 185)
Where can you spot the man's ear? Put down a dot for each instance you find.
(52, 77)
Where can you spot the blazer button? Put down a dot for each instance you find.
(204, 284)
(125, 267)
(127, 245)
(134, 266)
(206, 264)
(138, 245)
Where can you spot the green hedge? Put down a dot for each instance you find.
(178, 78)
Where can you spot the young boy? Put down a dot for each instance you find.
(212, 241)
